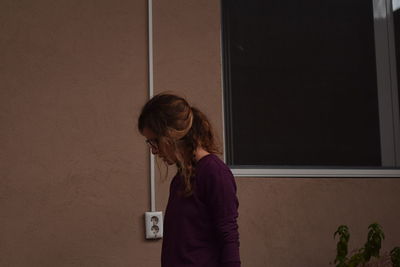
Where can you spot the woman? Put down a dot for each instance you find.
(200, 223)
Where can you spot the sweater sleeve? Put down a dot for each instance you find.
(223, 203)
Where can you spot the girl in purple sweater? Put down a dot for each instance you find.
(200, 224)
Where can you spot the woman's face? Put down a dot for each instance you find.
(162, 151)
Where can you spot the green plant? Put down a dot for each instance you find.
(363, 255)
(342, 245)
(373, 244)
(395, 256)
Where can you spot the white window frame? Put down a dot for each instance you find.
(388, 111)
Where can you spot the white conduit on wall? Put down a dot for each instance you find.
(151, 92)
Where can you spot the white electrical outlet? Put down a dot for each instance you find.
(154, 224)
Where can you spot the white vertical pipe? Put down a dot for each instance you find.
(151, 92)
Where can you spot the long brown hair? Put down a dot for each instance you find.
(179, 127)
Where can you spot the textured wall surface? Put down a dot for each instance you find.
(290, 222)
(74, 170)
(73, 185)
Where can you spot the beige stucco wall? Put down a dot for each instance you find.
(74, 171)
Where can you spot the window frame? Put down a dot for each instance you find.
(389, 117)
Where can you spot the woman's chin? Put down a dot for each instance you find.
(167, 161)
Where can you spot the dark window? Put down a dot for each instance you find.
(300, 84)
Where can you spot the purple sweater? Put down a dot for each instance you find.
(201, 230)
